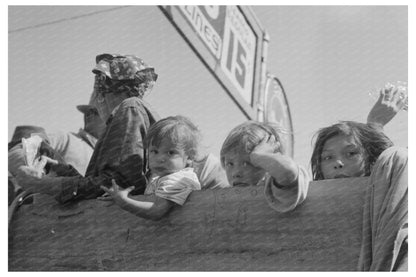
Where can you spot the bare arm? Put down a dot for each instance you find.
(148, 207)
(389, 103)
(282, 168)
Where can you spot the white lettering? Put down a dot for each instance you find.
(204, 29)
(241, 27)
(212, 11)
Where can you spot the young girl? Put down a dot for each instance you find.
(352, 149)
(347, 149)
(252, 155)
(172, 144)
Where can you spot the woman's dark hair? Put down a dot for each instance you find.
(370, 138)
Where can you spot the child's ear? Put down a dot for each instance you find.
(277, 146)
(189, 162)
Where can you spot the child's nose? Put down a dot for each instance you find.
(160, 158)
(237, 173)
(338, 164)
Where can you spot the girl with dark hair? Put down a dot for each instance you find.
(352, 149)
(347, 149)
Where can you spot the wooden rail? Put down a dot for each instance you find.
(216, 230)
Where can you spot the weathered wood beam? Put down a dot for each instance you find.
(216, 230)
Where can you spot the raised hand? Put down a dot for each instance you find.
(389, 103)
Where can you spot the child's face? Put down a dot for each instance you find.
(342, 158)
(239, 170)
(167, 158)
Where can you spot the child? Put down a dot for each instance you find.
(352, 149)
(172, 144)
(253, 155)
(347, 149)
(359, 144)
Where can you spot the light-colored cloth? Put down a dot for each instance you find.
(210, 173)
(385, 223)
(174, 187)
(284, 199)
(75, 148)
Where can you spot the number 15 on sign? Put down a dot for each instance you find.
(237, 61)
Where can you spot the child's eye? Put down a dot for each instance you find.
(245, 164)
(229, 164)
(326, 158)
(153, 151)
(171, 152)
(352, 153)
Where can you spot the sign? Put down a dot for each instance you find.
(208, 22)
(277, 112)
(238, 53)
(229, 40)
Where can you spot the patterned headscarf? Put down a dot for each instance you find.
(117, 73)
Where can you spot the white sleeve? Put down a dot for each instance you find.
(285, 199)
(176, 187)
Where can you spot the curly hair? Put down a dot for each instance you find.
(370, 138)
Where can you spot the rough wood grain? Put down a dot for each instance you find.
(216, 230)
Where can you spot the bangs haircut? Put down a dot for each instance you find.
(178, 130)
(370, 139)
(246, 136)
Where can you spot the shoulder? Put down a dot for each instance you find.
(208, 162)
(395, 150)
(210, 172)
(184, 173)
(394, 154)
(135, 105)
(133, 102)
(185, 177)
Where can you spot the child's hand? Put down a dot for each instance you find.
(268, 145)
(105, 197)
(118, 194)
(387, 106)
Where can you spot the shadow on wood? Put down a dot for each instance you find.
(216, 230)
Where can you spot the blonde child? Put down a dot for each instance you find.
(172, 144)
(252, 154)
